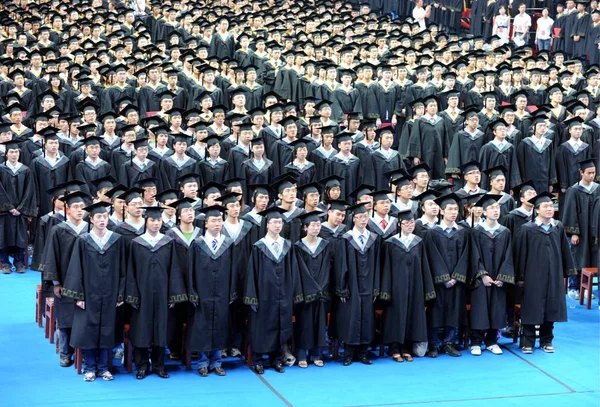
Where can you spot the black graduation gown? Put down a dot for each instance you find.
(305, 175)
(111, 95)
(577, 220)
(148, 100)
(253, 175)
(128, 233)
(560, 22)
(47, 177)
(535, 164)
(377, 164)
(311, 316)
(96, 276)
(491, 156)
(391, 229)
(222, 46)
(429, 142)
(322, 161)
(332, 235)
(292, 227)
(350, 171)
(406, 285)
(87, 173)
(491, 254)
(169, 171)
(237, 156)
(282, 153)
(154, 280)
(212, 285)
(57, 256)
(567, 167)
(130, 173)
(542, 260)
(465, 148)
(592, 41)
(17, 191)
(257, 232)
(448, 255)
(382, 102)
(357, 274)
(45, 225)
(217, 171)
(273, 285)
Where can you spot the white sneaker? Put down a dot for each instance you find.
(89, 377)
(107, 376)
(586, 294)
(574, 294)
(476, 350)
(495, 349)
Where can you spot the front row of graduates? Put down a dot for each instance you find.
(343, 276)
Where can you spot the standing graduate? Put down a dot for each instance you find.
(491, 269)
(496, 177)
(345, 165)
(96, 281)
(213, 168)
(570, 153)
(357, 280)
(430, 210)
(382, 160)
(576, 217)
(133, 223)
(273, 287)
(211, 282)
(154, 284)
(18, 201)
(406, 285)
(178, 164)
(139, 168)
(92, 167)
(257, 169)
(260, 198)
(57, 256)
(542, 260)
(334, 228)
(498, 152)
(323, 155)
(466, 144)
(447, 247)
(381, 223)
(315, 261)
(287, 191)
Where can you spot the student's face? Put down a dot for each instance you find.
(430, 208)
(576, 132)
(546, 210)
(498, 183)
(76, 211)
(291, 130)
(312, 199)
(336, 216)
(233, 209)
(383, 207)
(407, 226)
(450, 212)
(93, 151)
(190, 190)
(493, 211)
(180, 147)
(588, 175)
(261, 201)
(118, 205)
(345, 146)
(313, 228)
(361, 220)
(99, 220)
(52, 146)
(153, 225)
(473, 177)
(422, 179)
(214, 224)
(134, 207)
(335, 192)
(187, 215)
(12, 155)
(274, 226)
(288, 195)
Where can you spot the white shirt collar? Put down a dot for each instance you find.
(269, 242)
(424, 221)
(406, 240)
(78, 229)
(152, 240)
(101, 241)
(208, 239)
(485, 226)
(356, 234)
(15, 168)
(138, 162)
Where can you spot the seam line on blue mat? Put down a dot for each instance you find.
(473, 399)
(566, 386)
(266, 383)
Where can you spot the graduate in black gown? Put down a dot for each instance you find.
(92, 167)
(260, 198)
(333, 227)
(569, 154)
(497, 177)
(213, 168)
(96, 282)
(57, 256)
(178, 164)
(382, 160)
(542, 260)
(154, 284)
(346, 165)
(18, 201)
(257, 169)
(132, 225)
(406, 286)
(447, 247)
(212, 287)
(380, 222)
(315, 261)
(357, 286)
(287, 189)
(576, 216)
(272, 288)
(466, 144)
(491, 269)
(222, 43)
(498, 152)
(139, 168)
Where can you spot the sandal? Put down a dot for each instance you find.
(318, 363)
(397, 357)
(303, 364)
(408, 357)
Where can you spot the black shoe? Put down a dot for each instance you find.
(203, 371)
(141, 374)
(259, 369)
(162, 374)
(451, 350)
(347, 361)
(66, 361)
(365, 360)
(219, 371)
(278, 366)
(433, 353)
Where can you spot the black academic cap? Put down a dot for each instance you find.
(98, 207)
(428, 195)
(357, 209)
(405, 215)
(187, 178)
(153, 212)
(213, 211)
(520, 189)
(309, 217)
(169, 194)
(262, 189)
(212, 140)
(541, 198)
(495, 171)
(343, 136)
(182, 203)
(141, 142)
(487, 200)
(310, 188)
(328, 129)
(448, 199)
(211, 188)
(419, 169)
(116, 191)
(381, 195)
(337, 205)
(147, 182)
(229, 197)
(274, 212)
(284, 182)
(289, 120)
(181, 138)
(362, 189)
(331, 181)
(470, 166)
(585, 164)
(234, 182)
(498, 123)
(75, 197)
(470, 112)
(105, 182)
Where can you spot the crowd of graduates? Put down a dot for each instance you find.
(237, 167)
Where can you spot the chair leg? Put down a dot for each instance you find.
(249, 355)
(188, 359)
(588, 295)
(336, 349)
(78, 360)
(57, 350)
(582, 286)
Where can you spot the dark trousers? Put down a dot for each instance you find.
(142, 357)
(477, 335)
(18, 256)
(257, 358)
(96, 361)
(575, 281)
(355, 351)
(397, 347)
(546, 334)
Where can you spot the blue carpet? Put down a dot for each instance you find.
(31, 375)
